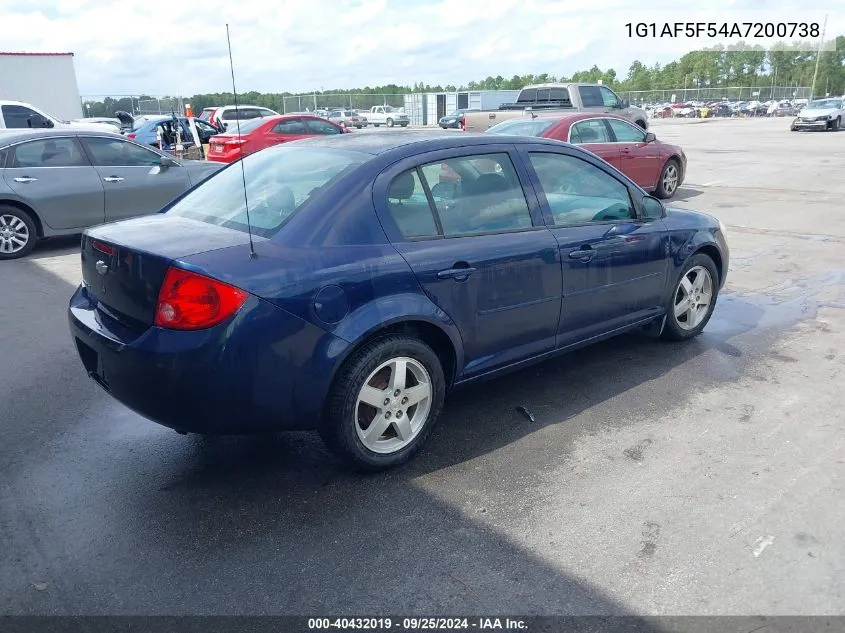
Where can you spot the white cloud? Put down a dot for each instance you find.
(158, 46)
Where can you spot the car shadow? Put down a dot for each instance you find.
(53, 246)
(684, 194)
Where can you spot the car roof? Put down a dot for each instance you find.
(379, 143)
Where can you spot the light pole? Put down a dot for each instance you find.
(818, 55)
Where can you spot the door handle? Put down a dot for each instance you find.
(25, 179)
(458, 273)
(585, 253)
(626, 150)
(112, 179)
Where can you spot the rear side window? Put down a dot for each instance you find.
(527, 95)
(590, 131)
(59, 152)
(471, 195)
(279, 181)
(591, 96)
(321, 127)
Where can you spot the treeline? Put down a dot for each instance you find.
(709, 68)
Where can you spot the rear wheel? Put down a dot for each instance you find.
(17, 233)
(384, 403)
(670, 179)
(693, 298)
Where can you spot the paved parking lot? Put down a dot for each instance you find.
(699, 478)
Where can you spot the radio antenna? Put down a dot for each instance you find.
(240, 146)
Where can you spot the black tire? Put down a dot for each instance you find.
(673, 330)
(403, 124)
(664, 191)
(642, 124)
(835, 124)
(389, 122)
(792, 128)
(17, 215)
(339, 424)
(376, 124)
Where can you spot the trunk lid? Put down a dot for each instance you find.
(124, 263)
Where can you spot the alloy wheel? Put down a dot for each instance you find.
(14, 234)
(393, 405)
(693, 297)
(670, 179)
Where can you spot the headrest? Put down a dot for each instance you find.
(402, 187)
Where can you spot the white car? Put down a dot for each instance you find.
(228, 116)
(821, 114)
(388, 115)
(19, 115)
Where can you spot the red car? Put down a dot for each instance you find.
(655, 166)
(256, 134)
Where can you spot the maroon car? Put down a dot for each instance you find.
(655, 166)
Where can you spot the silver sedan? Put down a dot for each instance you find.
(60, 181)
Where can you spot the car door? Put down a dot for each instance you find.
(614, 263)
(594, 136)
(134, 180)
(54, 177)
(479, 248)
(640, 161)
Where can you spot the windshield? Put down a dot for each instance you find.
(279, 181)
(389, 109)
(527, 127)
(825, 104)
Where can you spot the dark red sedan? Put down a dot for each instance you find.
(655, 166)
(256, 134)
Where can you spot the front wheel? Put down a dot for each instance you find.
(834, 125)
(670, 179)
(693, 298)
(389, 122)
(17, 233)
(384, 403)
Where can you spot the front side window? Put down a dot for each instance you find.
(625, 132)
(279, 180)
(589, 131)
(19, 117)
(317, 126)
(609, 98)
(115, 152)
(580, 193)
(471, 194)
(59, 152)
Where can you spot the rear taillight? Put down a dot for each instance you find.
(189, 301)
(234, 142)
(130, 135)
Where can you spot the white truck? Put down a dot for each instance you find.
(16, 114)
(387, 115)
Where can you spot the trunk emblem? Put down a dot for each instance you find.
(102, 267)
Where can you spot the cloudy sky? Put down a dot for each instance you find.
(157, 47)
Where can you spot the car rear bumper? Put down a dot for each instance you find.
(240, 377)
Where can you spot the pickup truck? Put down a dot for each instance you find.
(387, 115)
(19, 115)
(558, 97)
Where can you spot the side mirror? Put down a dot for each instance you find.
(652, 208)
(624, 104)
(166, 162)
(650, 137)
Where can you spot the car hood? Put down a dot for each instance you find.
(199, 170)
(818, 112)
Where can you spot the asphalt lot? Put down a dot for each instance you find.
(698, 478)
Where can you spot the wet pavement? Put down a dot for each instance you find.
(656, 478)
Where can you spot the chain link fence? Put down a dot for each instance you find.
(107, 105)
(749, 93)
(359, 101)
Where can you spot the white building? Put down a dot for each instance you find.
(426, 108)
(46, 80)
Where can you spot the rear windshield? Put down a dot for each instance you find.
(527, 127)
(279, 180)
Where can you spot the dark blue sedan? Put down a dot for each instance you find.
(386, 271)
